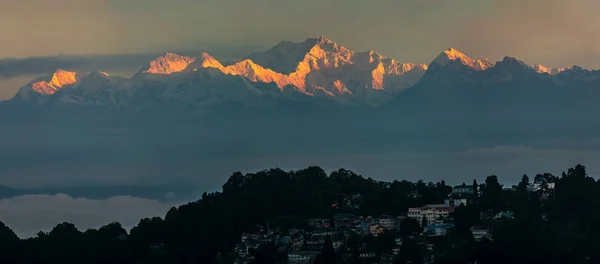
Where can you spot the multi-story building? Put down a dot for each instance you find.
(460, 195)
(463, 189)
(431, 212)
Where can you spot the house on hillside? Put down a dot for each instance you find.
(388, 222)
(541, 182)
(460, 195)
(431, 212)
(543, 186)
(436, 230)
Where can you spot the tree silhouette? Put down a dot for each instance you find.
(492, 196)
(268, 254)
(557, 228)
(8, 244)
(328, 254)
(409, 227)
(410, 252)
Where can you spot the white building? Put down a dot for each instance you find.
(460, 195)
(431, 212)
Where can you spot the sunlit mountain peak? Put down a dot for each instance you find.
(452, 54)
(543, 69)
(169, 63)
(55, 82)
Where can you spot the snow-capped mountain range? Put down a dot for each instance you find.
(313, 102)
(316, 68)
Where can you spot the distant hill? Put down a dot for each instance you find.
(6, 192)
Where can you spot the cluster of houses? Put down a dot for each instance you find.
(303, 245)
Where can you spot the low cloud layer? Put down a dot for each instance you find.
(28, 214)
(205, 173)
(10, 68)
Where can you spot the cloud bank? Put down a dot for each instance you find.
(28, 214)
(209, 173)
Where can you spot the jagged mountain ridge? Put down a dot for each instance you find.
(48, 85)
(314, 68)
(326, 69)
(510, 93)
(204, 107)
(321, 66)
(452, 54)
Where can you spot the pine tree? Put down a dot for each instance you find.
(475, 190)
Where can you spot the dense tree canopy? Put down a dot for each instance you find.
(558, 226)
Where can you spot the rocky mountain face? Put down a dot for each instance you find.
(320, 74)
(316, 67)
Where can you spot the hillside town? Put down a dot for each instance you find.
(349, 234)
(309, 216)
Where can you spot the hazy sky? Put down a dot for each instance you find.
(552, 32)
